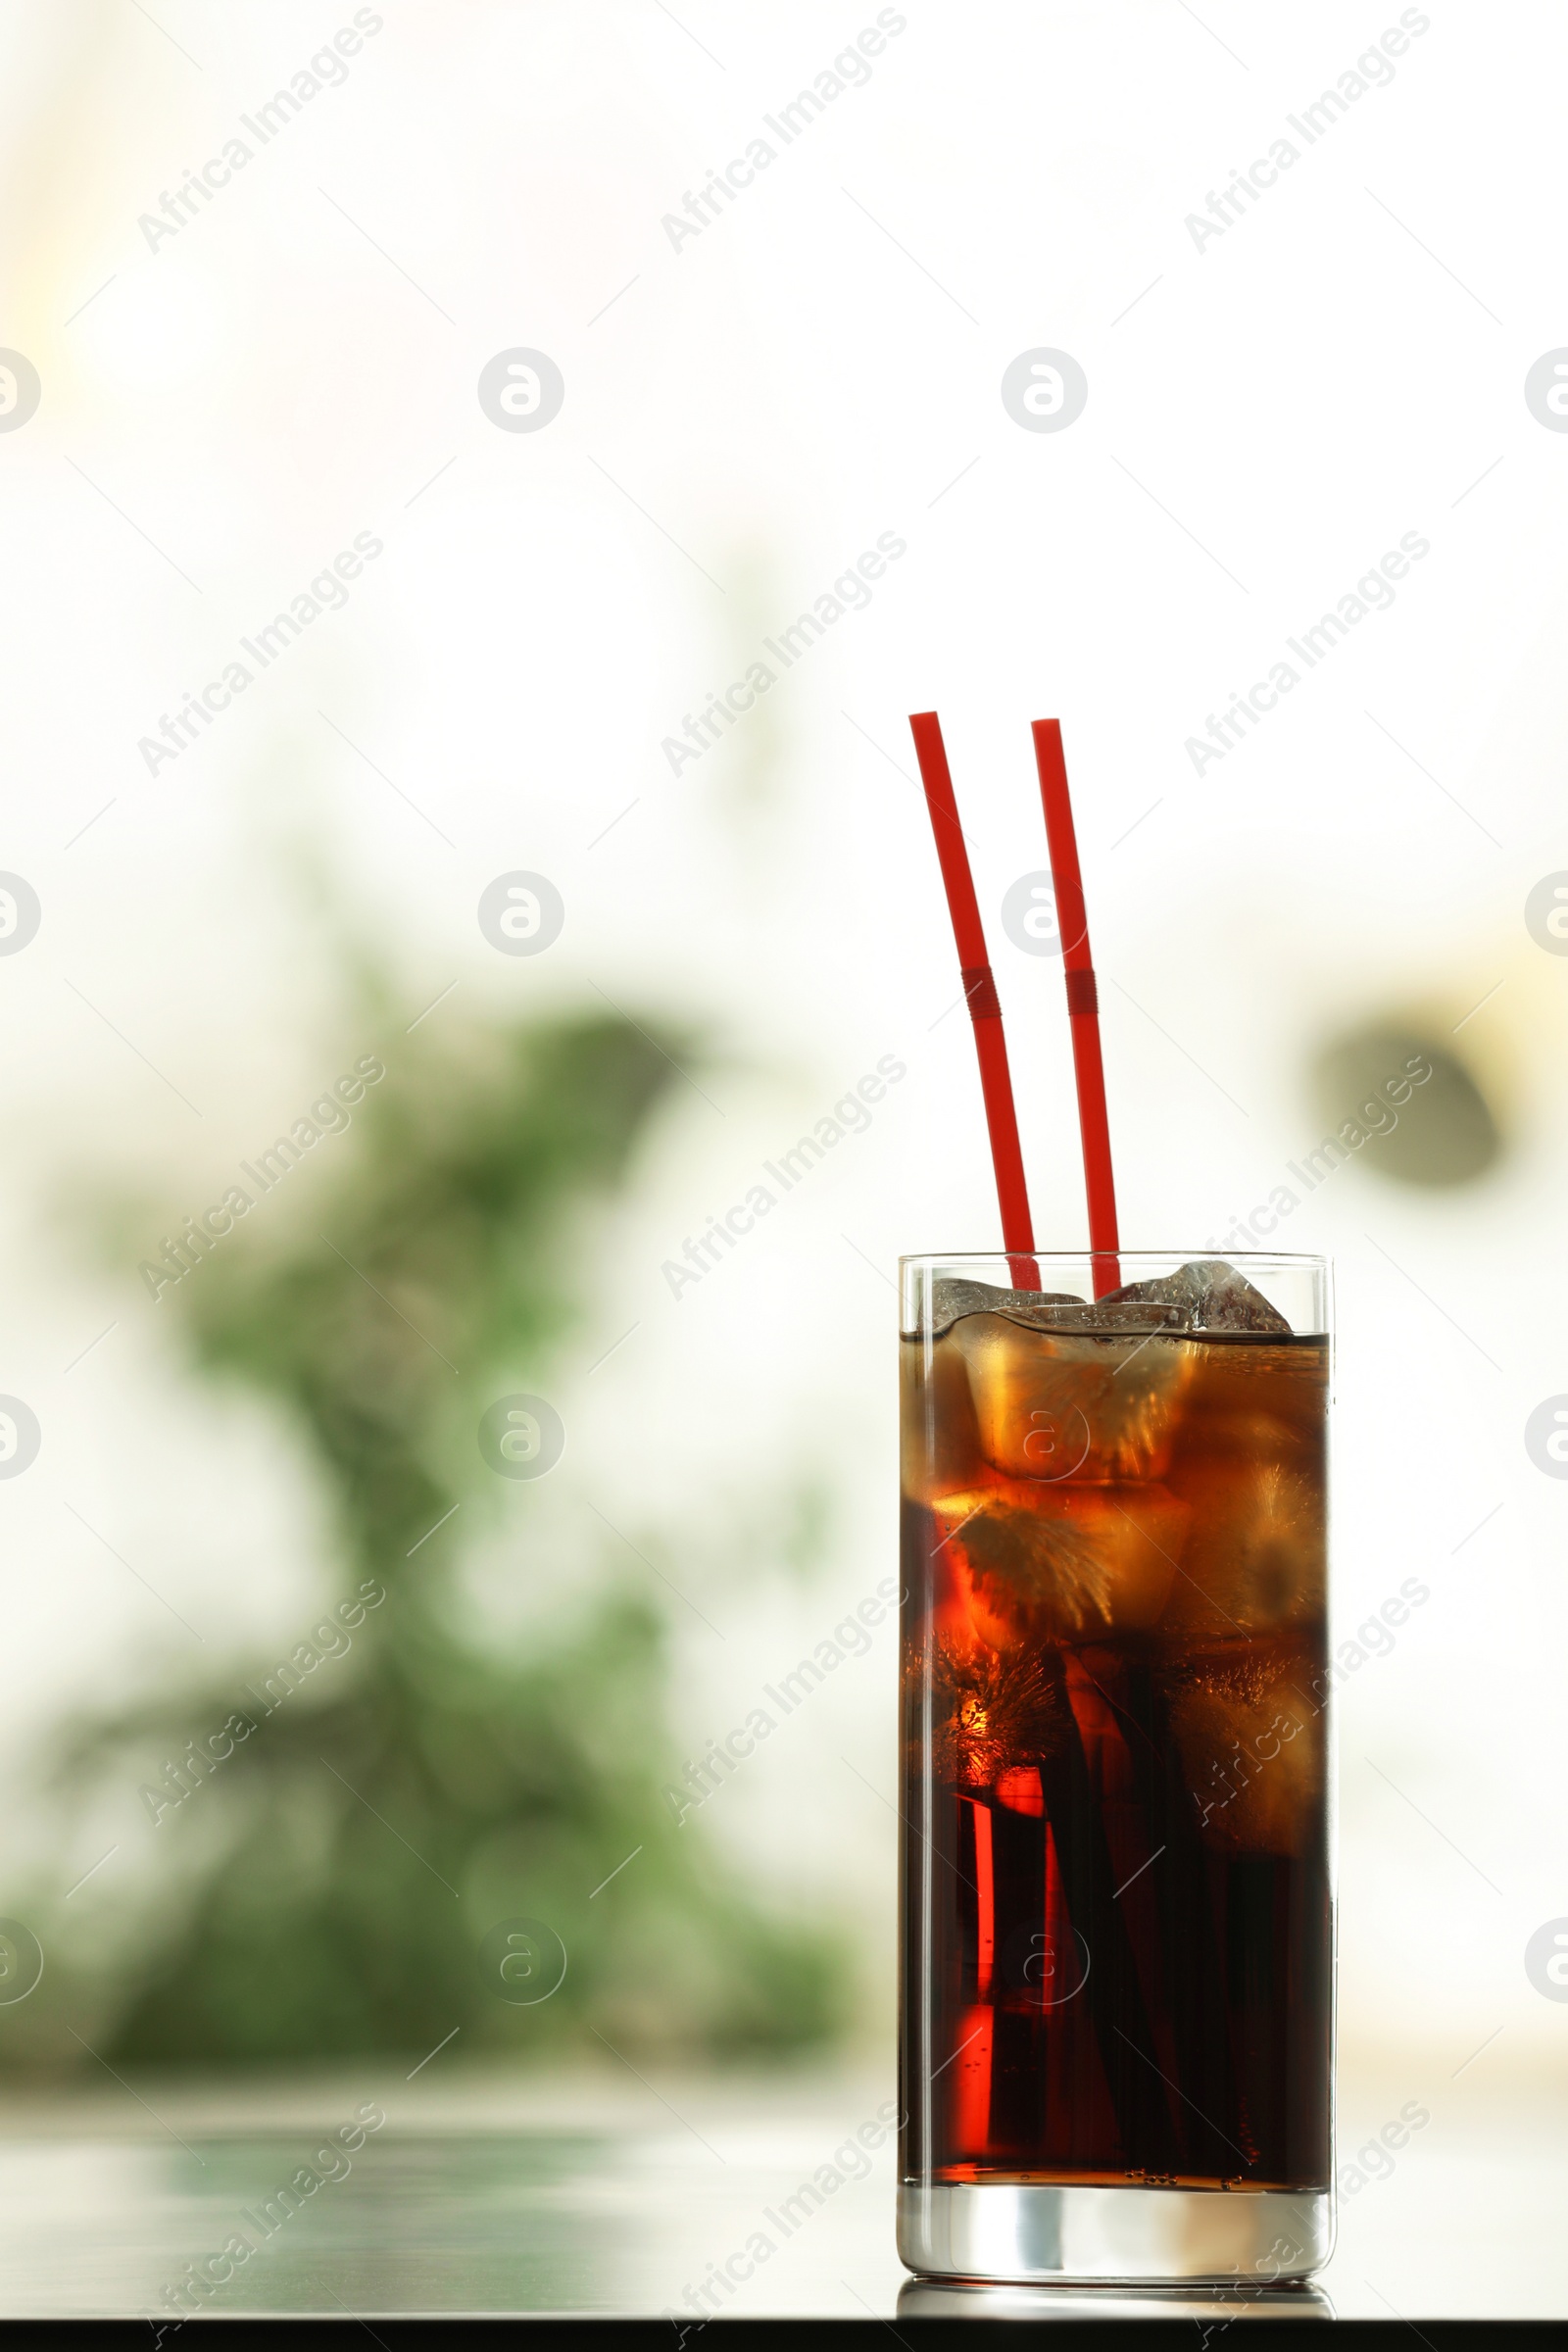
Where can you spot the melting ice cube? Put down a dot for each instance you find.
(1248, 1727)
(1207, 1295)
(1057, 1404)
(1068, 1564)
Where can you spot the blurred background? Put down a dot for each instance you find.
(462, 880)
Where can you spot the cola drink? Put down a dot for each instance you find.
(1117, 1919)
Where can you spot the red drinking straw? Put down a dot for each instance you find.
(985, 1011)
(1083, 1004)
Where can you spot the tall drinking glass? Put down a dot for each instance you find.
(1117, 1913)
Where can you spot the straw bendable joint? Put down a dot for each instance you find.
(981, 990)
(1082, 994)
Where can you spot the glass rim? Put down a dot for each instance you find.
(1229, 1257)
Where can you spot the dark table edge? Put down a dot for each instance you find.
(599, 2335)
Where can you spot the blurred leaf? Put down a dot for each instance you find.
(342, 1867)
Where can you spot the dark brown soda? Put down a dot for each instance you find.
(1117, 1915)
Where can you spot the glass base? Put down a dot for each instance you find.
(1034, 2231)
(987, 2300)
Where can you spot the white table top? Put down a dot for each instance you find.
(506, 2194)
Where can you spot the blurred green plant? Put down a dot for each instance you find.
(367, 1834)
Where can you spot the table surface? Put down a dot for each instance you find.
(512, 2195)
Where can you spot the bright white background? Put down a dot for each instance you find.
(743, 416)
